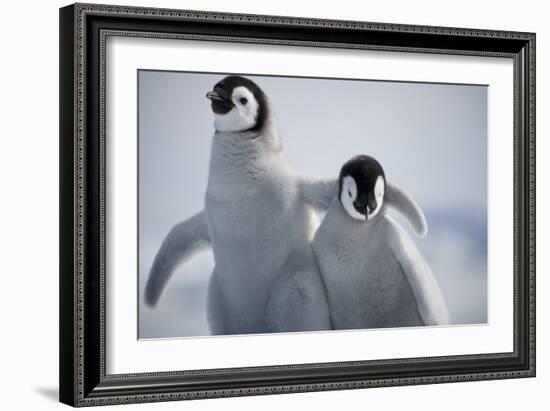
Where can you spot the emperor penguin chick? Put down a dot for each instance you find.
(374, 275)
(258, 218)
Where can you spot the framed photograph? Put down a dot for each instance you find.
(262, 204)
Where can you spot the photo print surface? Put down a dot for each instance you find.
(287, 204)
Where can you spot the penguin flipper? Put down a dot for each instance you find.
(403, 202)
(432, 305)
(319, 192)
(183, 240)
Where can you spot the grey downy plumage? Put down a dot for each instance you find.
(374, 274)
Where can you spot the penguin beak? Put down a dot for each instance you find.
(221, 103)
(367, 212)
(214, 96)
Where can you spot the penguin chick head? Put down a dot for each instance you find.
(362, 184)
(238, 105)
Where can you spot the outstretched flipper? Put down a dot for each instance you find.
(183, 240)
(319, 192)
(431, 302)
(401, 201)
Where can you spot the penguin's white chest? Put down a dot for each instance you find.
(365, 284)
(249, 208)
(259, 227)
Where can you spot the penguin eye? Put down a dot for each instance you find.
(243, 100)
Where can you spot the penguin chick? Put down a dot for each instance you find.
(374, 274)
(258, 218)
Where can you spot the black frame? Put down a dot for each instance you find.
(83, 30)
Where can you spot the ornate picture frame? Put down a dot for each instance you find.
(84, 82)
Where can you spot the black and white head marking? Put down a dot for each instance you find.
(238, 105)
(362, 185)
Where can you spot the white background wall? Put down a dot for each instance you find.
(29, 204)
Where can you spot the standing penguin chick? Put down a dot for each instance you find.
(259, 220)
(374, 274)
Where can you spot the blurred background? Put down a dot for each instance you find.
(431, 140)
